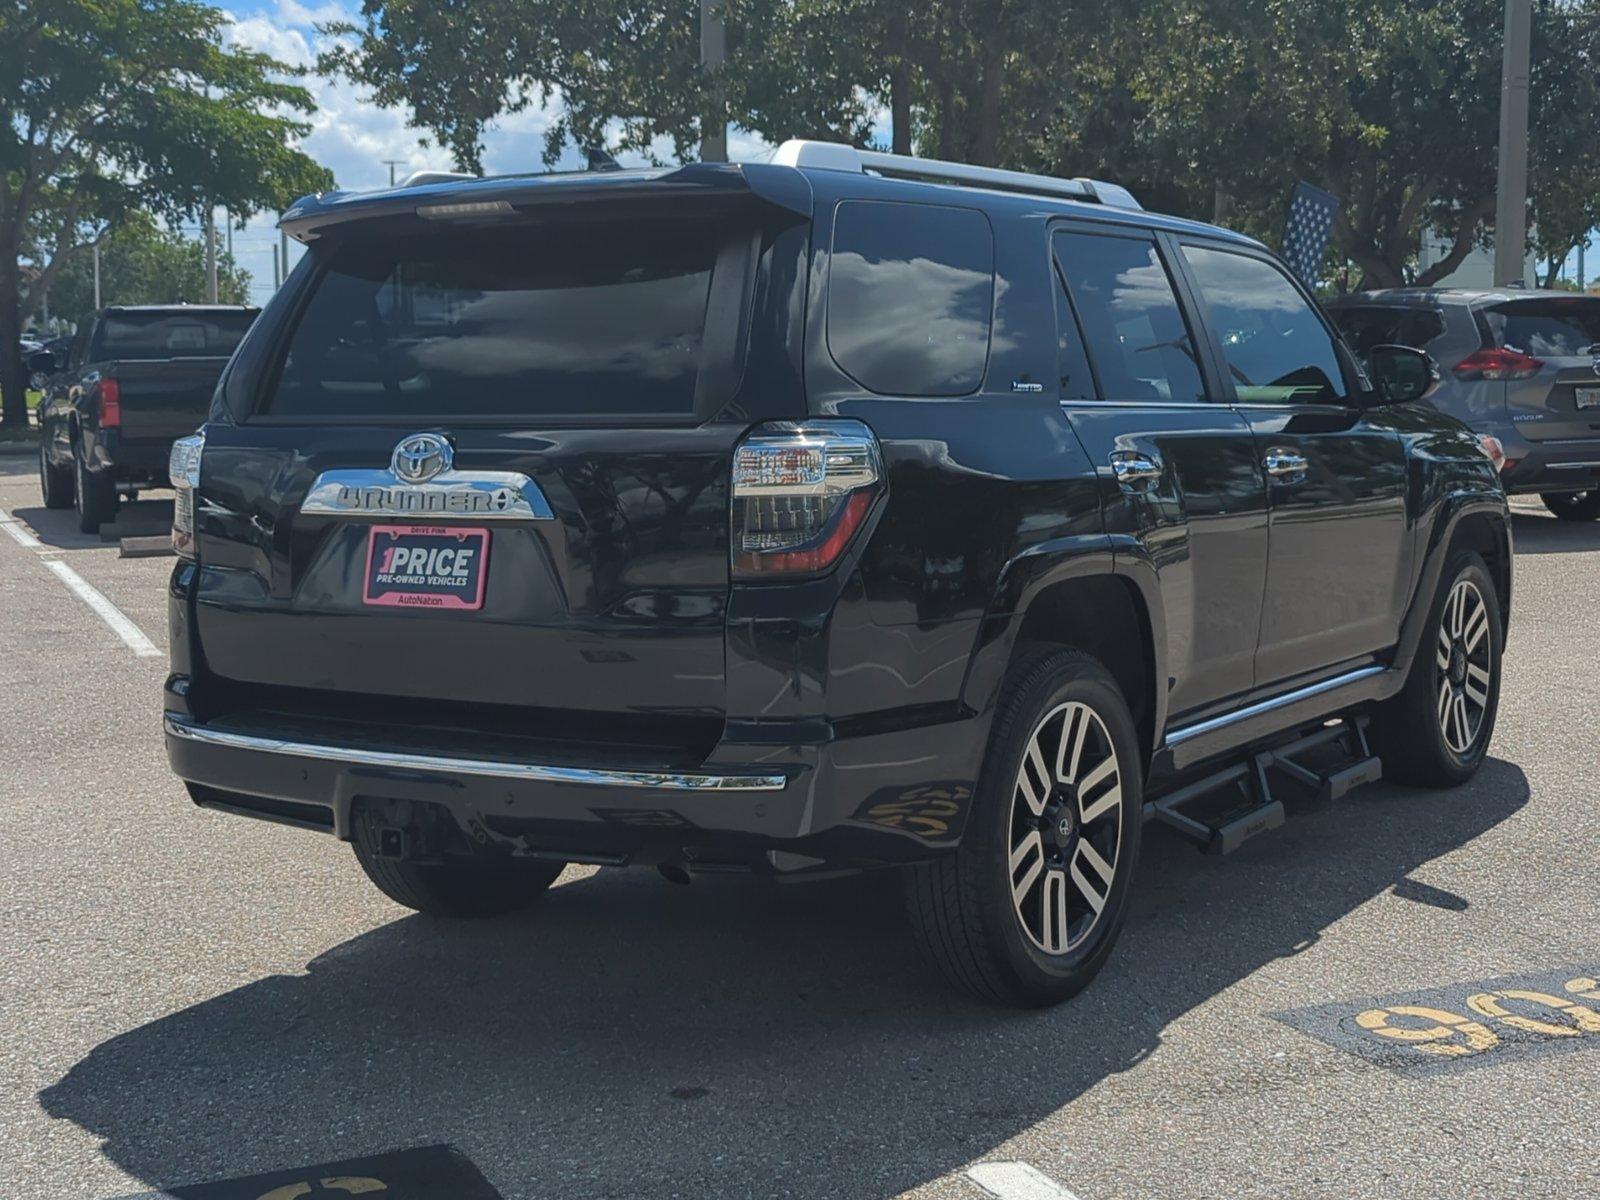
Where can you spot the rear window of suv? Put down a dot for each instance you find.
(1555, 328)
(911, 296)
(599, 318)
(1364, 328)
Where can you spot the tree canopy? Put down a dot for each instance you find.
(1205, 107)
(143, 263)
(109, 107)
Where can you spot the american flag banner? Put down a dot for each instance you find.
(1305, 237)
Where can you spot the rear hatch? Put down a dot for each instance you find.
(481, 483)
(166, 363)
(1553, 390)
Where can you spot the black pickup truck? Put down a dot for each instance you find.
(132, 381)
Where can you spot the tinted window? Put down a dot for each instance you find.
(600, 318)
(1137, 337)
(910, 293)
(172, 334)
(1364, 328)
(1275, 344)
(1547, 328)
(1077, 380)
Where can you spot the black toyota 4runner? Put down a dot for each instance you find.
(839, 511)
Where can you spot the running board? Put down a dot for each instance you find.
(1227, 808)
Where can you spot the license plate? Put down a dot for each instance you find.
(426, 566)
(1588, 397)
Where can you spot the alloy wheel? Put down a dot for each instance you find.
(1464, 665)
(1065, 831)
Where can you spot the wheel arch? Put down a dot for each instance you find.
(1083, 597)
(1474, 519)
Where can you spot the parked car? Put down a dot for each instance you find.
(1521, 366)
(132, 381)
(842, 511)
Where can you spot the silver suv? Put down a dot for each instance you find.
(1523, 366)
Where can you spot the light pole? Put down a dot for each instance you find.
(713, 50)
(1511, 200)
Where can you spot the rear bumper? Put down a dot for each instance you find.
(842, 803)
(1550, 466)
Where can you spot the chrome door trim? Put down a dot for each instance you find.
(667, 781)
(1176, 737)
(481, 495)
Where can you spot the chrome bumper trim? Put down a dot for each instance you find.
(1177, 737)
(178, 727)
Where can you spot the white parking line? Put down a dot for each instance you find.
(132, 636)
(1016, 1181)
(19, 532)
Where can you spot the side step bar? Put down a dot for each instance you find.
(1227, 808)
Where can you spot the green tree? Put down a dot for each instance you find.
(108, 107)
(142, 263)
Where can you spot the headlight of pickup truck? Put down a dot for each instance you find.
(183, 468)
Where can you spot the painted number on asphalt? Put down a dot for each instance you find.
(1465, 1024)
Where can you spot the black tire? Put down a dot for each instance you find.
(55, 483)
(1410, 731)
(961, 905)
(94, 495)
(473, 886)
(1572, 506)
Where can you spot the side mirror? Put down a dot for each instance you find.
(1401, 374)
(43, 362)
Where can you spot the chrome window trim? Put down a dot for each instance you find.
(667, 781)
(1176, 737)
(1571, 466)
(346, 493)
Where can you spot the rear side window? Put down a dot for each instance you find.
(1138, 340)
(171, 334)
(1364, 328)
(911, 297)
(1555, 328)
(1276, 347)
(599, 318)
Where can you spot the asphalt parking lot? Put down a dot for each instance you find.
(186, 996)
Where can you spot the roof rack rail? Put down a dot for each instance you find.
(420, 178)
(836, 156)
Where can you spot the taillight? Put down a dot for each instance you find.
(1497, 363)
(183, 469)
(801, 492)
(109, 397)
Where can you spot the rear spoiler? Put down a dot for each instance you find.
(435, 198)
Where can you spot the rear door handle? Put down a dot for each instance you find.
(1285, 466)
(1135, 472)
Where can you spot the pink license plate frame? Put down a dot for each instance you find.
(431, 574)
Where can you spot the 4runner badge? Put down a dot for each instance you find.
(422, 481)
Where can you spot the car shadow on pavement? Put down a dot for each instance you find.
(58, 528)
(634, 1038)
(1535, 533)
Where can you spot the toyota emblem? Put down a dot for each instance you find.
(420, 457)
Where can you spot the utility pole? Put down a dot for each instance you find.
(97, 276)
(283, 253)
(392, 163)
(1511, 202)
(713, 50)
(211, 254)
(277, 270)
(1581, 281)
